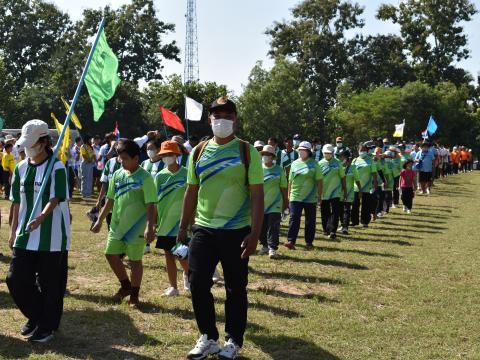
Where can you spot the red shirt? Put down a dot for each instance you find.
(407, 178)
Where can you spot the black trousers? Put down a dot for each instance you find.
(296, 208)
(387, 202)
(6, 183)
(71, 180)
(366, 212)
(396, 193)
(345, 212)
(207, 248)
(42, 302)
(330, 211)
(378, 199)
(407, 197)
(271, 230)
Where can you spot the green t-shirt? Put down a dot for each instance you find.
(170, 191)
(332, 173)
(388, 173)
(224, 196)
(351, 175)
(397, 166)
(303, 178)
(404, 158)
(274, 179)
(131, 193)
(379, 164)
(365, 168)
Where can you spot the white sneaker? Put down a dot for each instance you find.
(428, 191)
(186, 283)
(203, 348)
(404, 209)
(216, 276)
(393, 206)
(379, 215)
(409, 211)
(272, 254)
(171, 291)
(230, 350)
(263, 251)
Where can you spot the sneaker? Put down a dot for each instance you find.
(365, 225)
(147, 249)
(404, 209)
(332, 236)
(230, 350)
(272, 254)
(409, 211)
(121, 294)
(309, 247)
(393, 206)
(171, 291)
(379, 215)
(263, 251)
(289, 245)
(203, 348)
(134, 302)
(428, 191)
(41, 336)
(216, 276)
(28, 329)
(186, 283)
(344, 231)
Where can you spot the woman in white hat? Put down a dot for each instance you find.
(304, 187)
(40, 249)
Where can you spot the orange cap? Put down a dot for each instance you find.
(169, 147)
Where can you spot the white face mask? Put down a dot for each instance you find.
(296, 143)
(33, 151)
(266, 159)
(169, 160)
(339, 144)
(151, 154)
(222, 128)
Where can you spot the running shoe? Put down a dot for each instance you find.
(272, 254)
(41, 336)
(309, 247)
(409, 211)
(289, 245)
(28, 329)
(230, 350)
(203, 348)
(344, 231)
(393, 206)
(404, 209)
(170, 292)
(332, 236)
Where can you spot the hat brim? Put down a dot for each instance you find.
(26, 142)
(327, 152)
(168, 152)
(266, 153)
(304, 148)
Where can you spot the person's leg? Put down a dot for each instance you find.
(202, 260)
(171, 268)
(117, 266)
(347, 207)
(294, 223)
(396, 194)
(366, 208)
(355, 214)
(273, 235)
(235, 273)
(388, 201)
(325, 214)
(409, 198)
(50, 277)
(263, 234)
(310, 222)
(83, 178)
(333, 223)
(21, 282)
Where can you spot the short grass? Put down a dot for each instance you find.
(406, 288)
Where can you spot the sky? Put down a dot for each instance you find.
(231, 35)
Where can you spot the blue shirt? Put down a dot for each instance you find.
(426, 160)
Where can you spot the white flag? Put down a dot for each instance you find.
(193, 110)
(399, 130)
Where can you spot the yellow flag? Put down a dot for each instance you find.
(75, 119)
(63, 152)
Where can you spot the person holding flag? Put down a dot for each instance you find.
(40, 247)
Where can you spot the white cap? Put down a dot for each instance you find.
(141, 140)
(178, 139)
(305, 145)
(268, 150)
(258, 143)
(327, 149)
(32, 130)
(393, 148)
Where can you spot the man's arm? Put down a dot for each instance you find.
(101, 195)
(103, 214)
(151, 223)
(13, 228)
(48, 209)
(285, 198)
(251, 240)
(188, 209)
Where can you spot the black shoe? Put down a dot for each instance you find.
(41, 336)
(332, 236)
(28, 329)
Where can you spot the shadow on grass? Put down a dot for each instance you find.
(437, 207)
(325, 262)
(295, 277)
(387, 241)
(406, 228)
(432, 225)
(359, 252)
(86, 334)
(382, 235)
(6, 301)
(278, 293)
(5, 259)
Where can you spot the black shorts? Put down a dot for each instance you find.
(425, 176)
(97, 173)
(166, 242)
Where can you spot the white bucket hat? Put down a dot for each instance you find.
(32, 130)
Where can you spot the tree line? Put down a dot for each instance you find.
(327, 78)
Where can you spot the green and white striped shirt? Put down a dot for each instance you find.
(109, 169)
(153, 167)
(54, 233)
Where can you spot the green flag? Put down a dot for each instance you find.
(102, 78)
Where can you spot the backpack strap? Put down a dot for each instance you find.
(197, 153)
(245, 157)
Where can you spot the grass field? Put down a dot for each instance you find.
(406, 288)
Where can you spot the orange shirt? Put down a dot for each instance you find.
(464, 155)
(455, 156)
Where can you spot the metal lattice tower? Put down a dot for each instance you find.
(191, 69)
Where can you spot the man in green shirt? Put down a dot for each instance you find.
(367, 181)
(304, 188)
(275, 199)
(351, 177)
(334, 189)
(131, 196)
(224, 197)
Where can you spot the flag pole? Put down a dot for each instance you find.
(186, 118)
(48, 170)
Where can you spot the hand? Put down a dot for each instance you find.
(11, 241)
(149, 234)
(250, 245)
(35, 223)
(182, 236)
(98, 205)
(96, 227)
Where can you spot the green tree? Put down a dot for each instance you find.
(433, 33)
